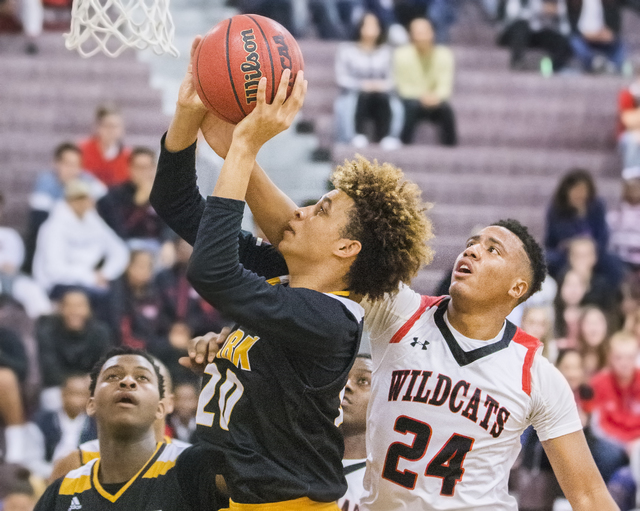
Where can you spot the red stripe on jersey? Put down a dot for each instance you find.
(532, 344)
(425, 303)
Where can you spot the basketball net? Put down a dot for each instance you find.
(112, 26)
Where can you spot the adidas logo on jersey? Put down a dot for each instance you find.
(416, 342)
(75, 504)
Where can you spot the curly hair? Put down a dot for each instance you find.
(388, 219)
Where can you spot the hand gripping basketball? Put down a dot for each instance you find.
(187, 95)
(268, 120)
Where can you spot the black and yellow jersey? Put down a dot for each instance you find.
(269, 407)
(158, 486)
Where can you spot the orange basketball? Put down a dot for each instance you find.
(232, 58)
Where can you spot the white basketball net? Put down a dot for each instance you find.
(111, 26)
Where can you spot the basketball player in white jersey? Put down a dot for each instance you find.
(454, 383)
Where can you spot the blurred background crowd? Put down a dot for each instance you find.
(521, 108)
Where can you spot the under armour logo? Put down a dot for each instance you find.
(416, 342)
(75, 504)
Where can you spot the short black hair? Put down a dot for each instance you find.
(124, 350)
(63, 148)
(534, 253)
(139, 151)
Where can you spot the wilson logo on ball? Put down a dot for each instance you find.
(251, 66)
(285, 58)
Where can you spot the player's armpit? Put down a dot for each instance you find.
(65, 465)
(577, 473)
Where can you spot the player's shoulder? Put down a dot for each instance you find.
(77, 480)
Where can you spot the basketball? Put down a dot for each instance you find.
(232, 58)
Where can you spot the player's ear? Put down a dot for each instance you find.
(519, 289)
(91, 407)
(169, 403)
(348, 248)
(161, 410)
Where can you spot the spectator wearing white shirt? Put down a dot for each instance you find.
(49, 190)
(14, 284)
(76, 248)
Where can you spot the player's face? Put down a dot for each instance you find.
(356, 396)
(493, 268)
(127, 396)
(316, 232)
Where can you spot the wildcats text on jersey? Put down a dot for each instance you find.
(440, 389)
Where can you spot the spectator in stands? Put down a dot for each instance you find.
(135, 306)
(538, 322)
(19, 501)
(536, 24)
(617, 392)
(17, 286)
(582, 258)
(76, 247)
(364, 75)
(354, 430)
(278, 10)
(624, 222)
(13, 372)
(69, 342)
(567, 309)
(62, 431)
(185, 405)
(335, 19)
(629, 124)
(126, 207)
(630, 302)
(49, 189)
(576, 210)
(609, 456)
(596, 28)
(424, 79)
(32, 18)
(104, 154)
(182, 306)
(593, 337)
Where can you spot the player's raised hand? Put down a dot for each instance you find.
(187, 96)
(202, 350)
(268, 120)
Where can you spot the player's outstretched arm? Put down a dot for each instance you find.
(577, 473)
(260, 126)
(271, 207)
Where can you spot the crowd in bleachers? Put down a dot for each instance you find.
(98, 268)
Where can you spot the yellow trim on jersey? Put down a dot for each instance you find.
(289, 505)
(88, 456)
(279, 280)
(113, 498)
(159, 468)
(73, 486)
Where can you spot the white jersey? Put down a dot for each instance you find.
(354, 474)
(446, 412)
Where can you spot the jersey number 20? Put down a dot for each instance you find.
(229, 393)
(447, 464)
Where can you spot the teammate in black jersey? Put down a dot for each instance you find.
(134, 470)
(270, 404)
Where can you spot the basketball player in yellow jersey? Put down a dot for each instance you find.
(134, 471)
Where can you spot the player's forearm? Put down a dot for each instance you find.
(270, 206)
(183, 130)
(236, 170)
(598, 499)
